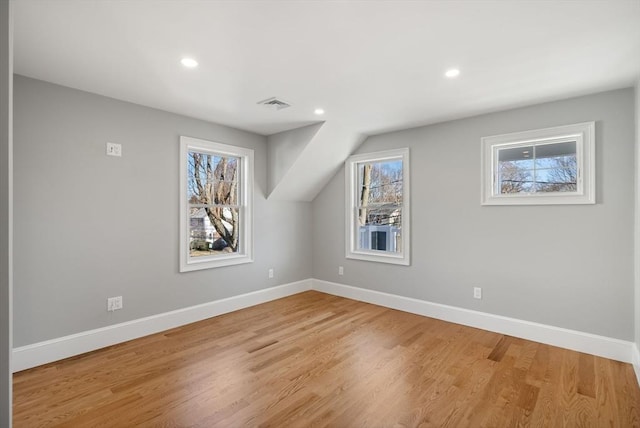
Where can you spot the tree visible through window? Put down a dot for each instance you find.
(216, 194)
(213, 199)
(377, 207)
(380, 208)
(540, 167)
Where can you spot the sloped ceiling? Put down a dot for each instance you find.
(372, 66)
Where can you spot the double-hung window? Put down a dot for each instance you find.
(216, 183)
(540, 167)
(377, 205)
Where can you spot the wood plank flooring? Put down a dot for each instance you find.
(315, 360)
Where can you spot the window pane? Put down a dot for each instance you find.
(513, 177)
(213, 231)
(538, 168)
(556, 150)
(514, 170)
(380, 228)
(523, 156)
(380, 182)
(212, 179)
(556, 167)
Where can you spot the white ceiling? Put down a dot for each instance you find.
(373, 66)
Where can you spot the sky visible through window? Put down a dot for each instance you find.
(379, 205)
(544, 168)
(212, 191)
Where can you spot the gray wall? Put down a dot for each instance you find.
(284, 148)
(637, 218)
(89, 226)
(566, 266)
(6, 77)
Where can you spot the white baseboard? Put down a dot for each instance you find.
(602, 346)
(25, 357)
(36, 354)
(636, 361)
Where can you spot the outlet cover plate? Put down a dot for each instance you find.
(114, 303)
(114, 149)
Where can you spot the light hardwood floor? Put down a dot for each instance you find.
(318, 360)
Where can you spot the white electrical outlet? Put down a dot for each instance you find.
(477, 293)
(340, 270)
(114, 149)
(114, 303)
(270, 273)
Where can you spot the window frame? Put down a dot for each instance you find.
(351, 197)
(245, 204)
(584, 136)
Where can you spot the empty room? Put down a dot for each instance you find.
(319, 213)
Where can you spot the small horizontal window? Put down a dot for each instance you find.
(539, 167)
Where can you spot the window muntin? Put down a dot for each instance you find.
(377, 219)
(546, 166)
(216, 195)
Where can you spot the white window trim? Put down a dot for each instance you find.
(582, 133)
(351, 196)
(245, 255)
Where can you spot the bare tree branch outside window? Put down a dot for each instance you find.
(528, 173)
(213, 190)
(380, 204)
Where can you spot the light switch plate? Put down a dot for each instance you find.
(114, 149)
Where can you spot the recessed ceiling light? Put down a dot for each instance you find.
(189, 62)
(452, 72)
(318, 111)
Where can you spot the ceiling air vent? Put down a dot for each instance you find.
(274, 103)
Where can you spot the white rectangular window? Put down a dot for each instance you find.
(539, 167)
(216, 188)
(377, 218)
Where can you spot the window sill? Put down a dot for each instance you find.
(379, 258)
(219, 261)
(537, 199)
